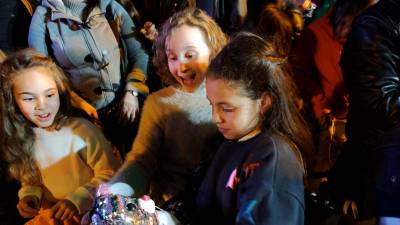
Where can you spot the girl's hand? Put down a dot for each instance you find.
(79, 102)
(149, 31)
(64, 210)
(28, 206)
(128, 108)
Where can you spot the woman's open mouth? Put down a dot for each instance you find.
(188, 80)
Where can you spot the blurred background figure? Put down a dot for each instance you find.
(368, 170)
(94, 42)
(316, 69)
(280, 24)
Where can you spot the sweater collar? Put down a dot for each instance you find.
(200, 91)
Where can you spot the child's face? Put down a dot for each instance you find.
(36, 95)
(236, 116)
(188, 56)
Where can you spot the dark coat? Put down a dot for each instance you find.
(370, 64)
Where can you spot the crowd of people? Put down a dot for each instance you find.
(223, 112)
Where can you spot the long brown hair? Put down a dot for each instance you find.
(212, 33)
(17, 135)
(252, 64)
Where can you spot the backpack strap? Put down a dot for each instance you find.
(48, 41)
(116, 29)
(108, 14)
(114, 24)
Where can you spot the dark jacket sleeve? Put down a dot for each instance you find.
(370, 65)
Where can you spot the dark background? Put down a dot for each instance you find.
(14, 25)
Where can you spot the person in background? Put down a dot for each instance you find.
(237, 15)
(176, 128)
(280, 24)
(368, 170)
(58, 158)
(256, 176)
(93, 42)
(317, 73)
(229, 14)
(323, 7)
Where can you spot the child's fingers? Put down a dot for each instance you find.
(25, 215)
(56, 211)
(68, 214)
(64, 210)
(25, 210)
(76, 219)
(60, 213)
(25, 207)
(64, 214)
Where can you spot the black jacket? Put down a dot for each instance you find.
(370, 63)
(371, 70)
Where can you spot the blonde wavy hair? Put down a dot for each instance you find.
(213, 35)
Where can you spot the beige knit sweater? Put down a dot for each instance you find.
(174, 131)
(72, 162)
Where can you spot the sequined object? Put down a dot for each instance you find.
(112, 209)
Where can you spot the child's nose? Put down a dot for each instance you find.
(216, 117)
(40, 103)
